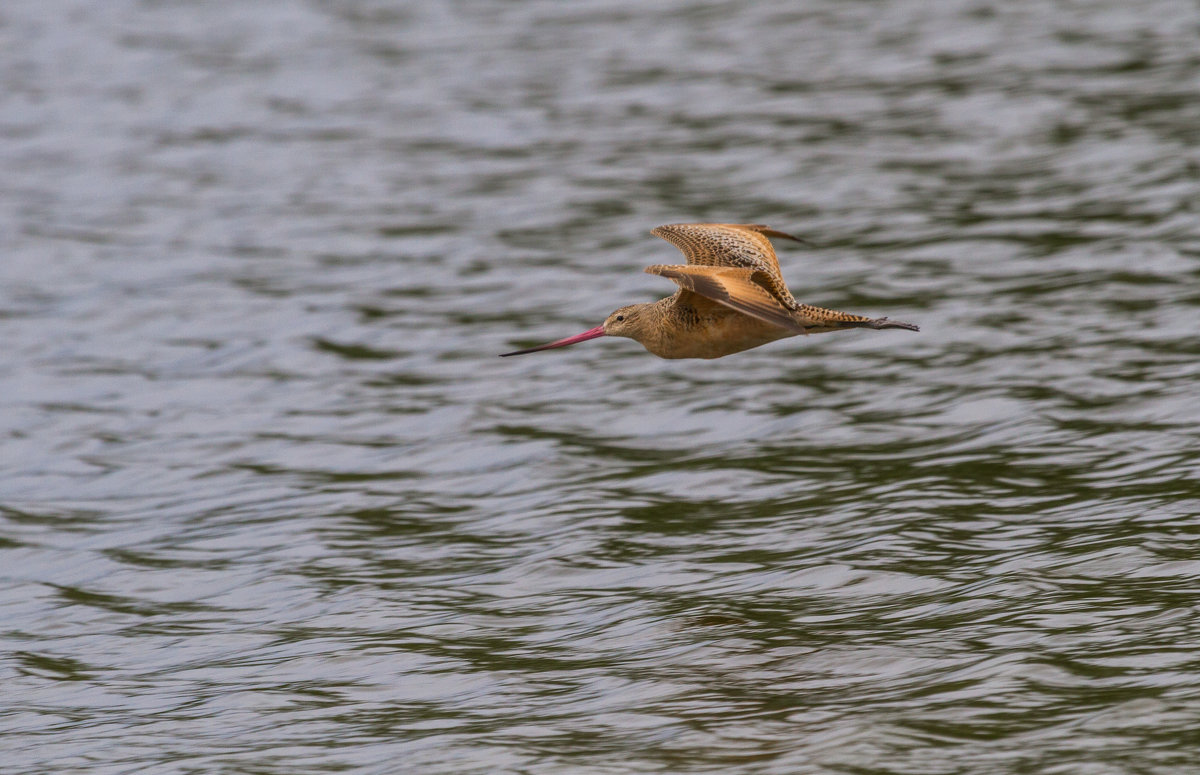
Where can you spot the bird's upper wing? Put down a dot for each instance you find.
(741, 245)
(746, 290)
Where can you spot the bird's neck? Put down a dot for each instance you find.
(652, 324)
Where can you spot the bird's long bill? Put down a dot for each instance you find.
(591, 333)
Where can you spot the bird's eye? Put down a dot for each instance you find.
(620, 318)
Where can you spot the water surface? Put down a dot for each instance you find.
(271, 504)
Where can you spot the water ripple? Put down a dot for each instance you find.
(271, 502)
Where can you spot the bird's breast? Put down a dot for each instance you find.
(713, 336)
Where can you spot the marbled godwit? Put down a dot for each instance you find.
(731, 297)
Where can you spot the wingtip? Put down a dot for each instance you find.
(769, 232)
(880, 324)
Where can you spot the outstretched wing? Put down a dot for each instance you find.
(740, 245)
(742, 289)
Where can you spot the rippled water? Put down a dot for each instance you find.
(271, 504)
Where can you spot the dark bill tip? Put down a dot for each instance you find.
(591, 333)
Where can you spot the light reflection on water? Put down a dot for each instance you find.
(271, 501)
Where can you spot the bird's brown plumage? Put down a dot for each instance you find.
(731, 297)
(739, 245)
(743, 290)
(712, 249)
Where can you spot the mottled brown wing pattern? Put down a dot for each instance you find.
(741, 289)
(736, 245)
(822, 318)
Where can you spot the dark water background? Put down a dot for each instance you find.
(269, 503)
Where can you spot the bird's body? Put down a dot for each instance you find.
(731, 297)
(687, 325)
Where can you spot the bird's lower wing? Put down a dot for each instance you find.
(738, 289)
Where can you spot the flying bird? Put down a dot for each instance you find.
(731, 297)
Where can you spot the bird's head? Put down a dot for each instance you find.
(626, 321)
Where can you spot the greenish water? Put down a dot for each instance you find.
(270, 503)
